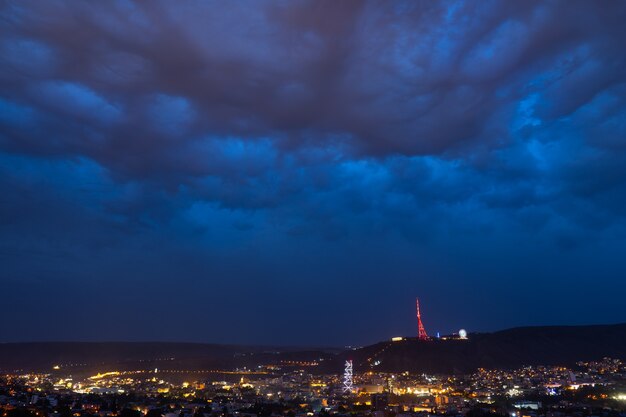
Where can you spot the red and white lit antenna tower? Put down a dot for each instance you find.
(421, 331)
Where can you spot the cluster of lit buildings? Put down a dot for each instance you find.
(291, 392)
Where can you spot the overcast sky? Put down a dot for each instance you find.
(298, 172)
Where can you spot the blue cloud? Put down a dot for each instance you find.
(24, 57)
(16, 115)
(171, 115)
(314, 148)
(77, 100)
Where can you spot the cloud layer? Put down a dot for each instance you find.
(286, 153)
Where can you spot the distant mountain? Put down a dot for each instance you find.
(552, 345)
(105, 356)
(555, 345)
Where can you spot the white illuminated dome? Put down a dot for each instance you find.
(462, 334)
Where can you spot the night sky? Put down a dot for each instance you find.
(298, 172)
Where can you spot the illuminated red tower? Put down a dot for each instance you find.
(421, 331)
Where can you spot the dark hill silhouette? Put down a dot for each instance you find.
(551, 345)
(554, 345)
(99, 356)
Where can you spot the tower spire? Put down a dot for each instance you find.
(421, 331)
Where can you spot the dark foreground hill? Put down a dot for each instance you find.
(558, 345)
(554, 345)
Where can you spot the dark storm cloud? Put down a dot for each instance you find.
(245, 145)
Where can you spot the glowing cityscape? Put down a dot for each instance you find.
(312, 208)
